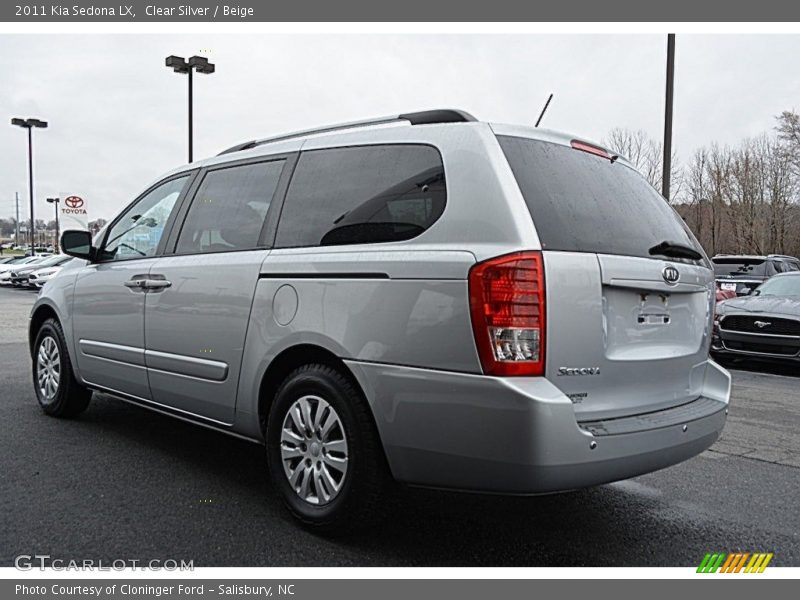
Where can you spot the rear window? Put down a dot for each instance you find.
(739, 267)
(584, 203)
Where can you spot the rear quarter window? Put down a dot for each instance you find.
(362, 195)
(580, 202)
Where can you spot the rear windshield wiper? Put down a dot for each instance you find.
(675, 250)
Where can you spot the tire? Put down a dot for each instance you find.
(57, 390)
(358, 501)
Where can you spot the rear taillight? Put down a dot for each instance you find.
(507, 303)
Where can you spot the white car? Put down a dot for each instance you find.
(41, 276)
(30, 260)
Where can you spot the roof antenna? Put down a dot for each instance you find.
(546, 104)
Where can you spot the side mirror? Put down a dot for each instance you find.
(78, 243)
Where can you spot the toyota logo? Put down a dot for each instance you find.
(73, 201)
(670, 274)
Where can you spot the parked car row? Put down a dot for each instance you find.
(31, 271)
(27, 248)
(758, 307)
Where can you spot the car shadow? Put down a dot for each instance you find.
(592, 527)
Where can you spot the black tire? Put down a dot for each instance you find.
(360, 499)
(70, 398)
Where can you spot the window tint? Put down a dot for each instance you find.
(583, 203)
(138, 232)
(362, 195)
(229, 208)
(738, 267)
(791, 266)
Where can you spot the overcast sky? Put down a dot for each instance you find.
(118, 116)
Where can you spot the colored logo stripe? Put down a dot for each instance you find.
(711, 562)
(758, 563)
(735, 562)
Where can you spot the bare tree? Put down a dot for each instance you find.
(646, 155)
(739, 199)
(789, 128)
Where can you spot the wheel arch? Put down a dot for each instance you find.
(287, 361)
(39, 315)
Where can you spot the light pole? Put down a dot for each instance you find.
(670, 90)
(29, 124)
(16, 224)
(181, 65)
(54, 202)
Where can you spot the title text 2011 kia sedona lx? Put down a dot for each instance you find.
(424, 298)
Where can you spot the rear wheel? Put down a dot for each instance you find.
(57, 390)
(324, 453)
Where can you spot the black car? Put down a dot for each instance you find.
(765, 324)
(743, 273)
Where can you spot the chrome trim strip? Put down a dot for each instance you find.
(116, 362)
(773, 335)
(190, 366)
(183, 376)
(116, 352)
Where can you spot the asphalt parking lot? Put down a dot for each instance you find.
(123, 483)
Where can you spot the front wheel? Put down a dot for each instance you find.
(58, 392)
(324, 453)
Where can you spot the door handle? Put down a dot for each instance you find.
(135, 284)
(157, 284)
(143, 283)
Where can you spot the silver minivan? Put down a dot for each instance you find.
(424, 298)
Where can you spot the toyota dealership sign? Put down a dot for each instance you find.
(73, 212)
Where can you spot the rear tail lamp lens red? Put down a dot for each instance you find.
(507, 303)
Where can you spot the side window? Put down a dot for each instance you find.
(776, 266)
(229, 208)
(792, 266)
(139, 230)
(362, 195)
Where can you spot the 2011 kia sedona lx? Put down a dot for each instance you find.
(423, 298)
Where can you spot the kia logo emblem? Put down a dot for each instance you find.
(670, 274)
(73, 201)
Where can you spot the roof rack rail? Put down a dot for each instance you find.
(425, 117)
(782, 256)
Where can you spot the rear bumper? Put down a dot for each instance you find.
(520, 435)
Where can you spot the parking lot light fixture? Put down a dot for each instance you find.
(182, 66)
(30, 124)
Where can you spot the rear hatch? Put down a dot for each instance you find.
(740, 274)
(628, 323)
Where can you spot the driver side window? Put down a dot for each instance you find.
(139, 230)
